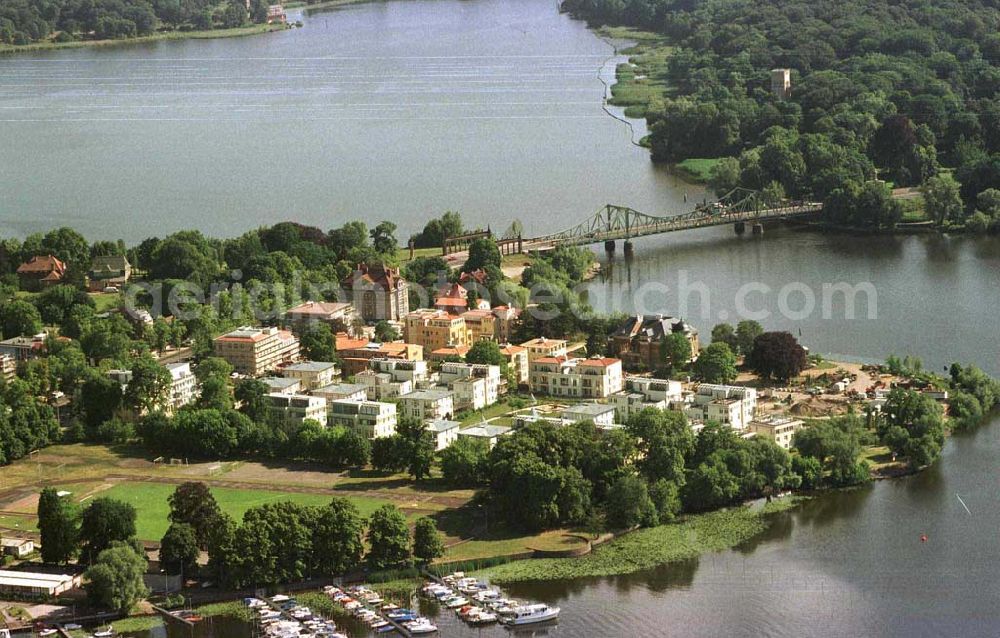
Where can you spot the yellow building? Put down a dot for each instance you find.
(434, 329)
(541, 348)
(480, 324)
(517, 359)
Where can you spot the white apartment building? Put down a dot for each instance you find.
(401, 369)
(428, 405)
(730, 405)
(445, 432)
(643, 392)
(293, 409)
(475, 385)
(282, 385)
(380, 386)
(312, 374)
(183, 386)
(370, 419)
(596, 378)
(599, 413)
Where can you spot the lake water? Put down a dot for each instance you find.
(390, 110)
(401, 110)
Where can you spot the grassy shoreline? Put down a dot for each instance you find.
(211, 34)
(651, 547)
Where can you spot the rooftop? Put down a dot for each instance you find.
(341, 388)
(590, 409)
(443, 425)
(310, 366)
(485, 431)
(280, 383)
(319, 308)
(428, 395)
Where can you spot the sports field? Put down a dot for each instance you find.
(150, 501)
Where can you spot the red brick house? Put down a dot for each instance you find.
(41, 271)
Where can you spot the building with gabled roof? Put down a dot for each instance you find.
(41, 271)
(378, 292)
(108, 270)
(637, 341)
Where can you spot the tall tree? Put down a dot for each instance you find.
(388, 538)
(747, 332)
(179, 549)
(149, 387)
(943, 198)
(716, 364)
(337, 538)
(58, 524)
(777, 355)
(105, 521)
(19, 318)
(193, 504)
(114, 581)
(427, 543)
(317, 342)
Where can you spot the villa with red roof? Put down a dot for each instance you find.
(41, 271)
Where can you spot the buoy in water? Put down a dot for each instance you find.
(923, 538)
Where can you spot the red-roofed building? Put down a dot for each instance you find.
(41, 271)
(356, 353)
(453, 299)
(564, 376)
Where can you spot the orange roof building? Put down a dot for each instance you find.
(41, 271)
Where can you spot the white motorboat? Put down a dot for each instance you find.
(456, 602)
(420, 626)
(105, 633)
(529, 614)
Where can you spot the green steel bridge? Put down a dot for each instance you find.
(738, 207)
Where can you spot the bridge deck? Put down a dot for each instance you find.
(678, 223)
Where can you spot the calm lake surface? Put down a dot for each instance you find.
(401, 110)
(844, 564)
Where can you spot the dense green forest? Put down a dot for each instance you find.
(28, 21)
(901, 91)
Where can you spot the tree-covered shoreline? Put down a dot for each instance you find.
(28, 24)
(882, 95)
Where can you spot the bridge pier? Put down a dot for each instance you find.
(758, 229)
(629, 250)
(609, 246)
(740, 228)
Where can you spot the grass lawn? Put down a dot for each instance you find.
(403, 253)
(640, 81)
(150, 500)
(697, 169)
(19, 523)
(105, 300)
(913, 209)
(647, 548)
(487, 548)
